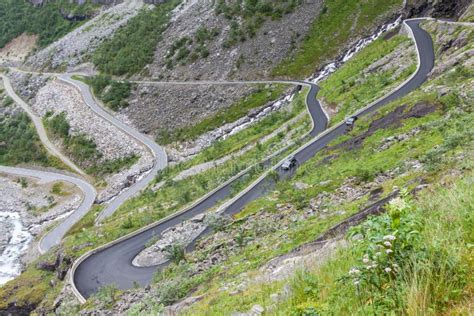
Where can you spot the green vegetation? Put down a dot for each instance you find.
(260, 97)
(28, 289)
(430, 258)
(431, 255)
(57, 188)
(82, 149)
(335, 26)
(350, 88)
(46, 21)
(133, 46)
(79, 146)
(176, 253)
(113, 94)
(19, 142)
(112, 166)
(7, 101)
(246, 17)
(416, 259)
(186, 50)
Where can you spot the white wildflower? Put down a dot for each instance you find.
(388, 270)
(373, 266)
(354, 271)
(365, 260)
(388, 251)
(398, 203)
(389, 237)
(387, 244)
(378, 254)
(356, 282)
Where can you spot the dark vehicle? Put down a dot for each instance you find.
(289, 163)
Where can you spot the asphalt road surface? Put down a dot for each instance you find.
(160, 158)
(54, 236)
(39, 126)
(113, 265)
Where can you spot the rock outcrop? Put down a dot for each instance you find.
(436, 9)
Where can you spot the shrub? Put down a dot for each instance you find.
(175, 253)
(128, 223)
(217, 222)
(106, 296)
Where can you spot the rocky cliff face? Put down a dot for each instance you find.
(437, 8)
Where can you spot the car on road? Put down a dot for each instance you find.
(288, 163)
(351, 121)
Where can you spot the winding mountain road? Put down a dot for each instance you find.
(54, 236)
(112, 263)
(159, 154)
(39, 127)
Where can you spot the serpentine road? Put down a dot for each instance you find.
(160, 158)
(38, 126)
(112, 263)
(51, 239)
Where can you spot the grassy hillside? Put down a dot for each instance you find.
(339, 23)
(82, 149)
(19, 142)
(423, 141)
(21, 17)
(133, 46)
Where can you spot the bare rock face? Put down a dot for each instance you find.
(250, 59)
(436, 9)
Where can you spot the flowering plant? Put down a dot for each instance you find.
(384, 249)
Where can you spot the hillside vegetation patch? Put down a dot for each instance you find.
(339, 22)
(46, 21)
(246, 17)
(132, 47)
(83, 149)
(112, 93)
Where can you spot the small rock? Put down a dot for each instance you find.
(199, 218)
(301, 186)
(257, 309)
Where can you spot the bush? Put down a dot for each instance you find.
(175, 253)
(128, 223)
(217, 222)
(106, 296)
